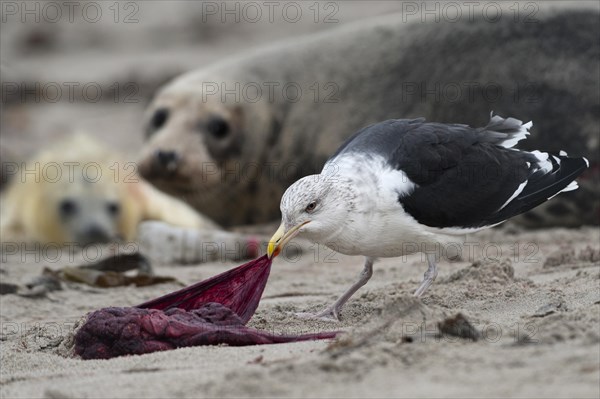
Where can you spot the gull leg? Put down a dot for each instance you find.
(332, 313)
(428, 277)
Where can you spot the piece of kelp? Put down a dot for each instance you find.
(211, 312)
(106, 279)
(121, 263)
(108, 272)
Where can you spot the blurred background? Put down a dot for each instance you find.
(130, 51)
(106, 59)
(93, 66)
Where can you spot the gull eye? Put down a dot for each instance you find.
(311, 207)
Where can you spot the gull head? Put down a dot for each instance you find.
(315, 207)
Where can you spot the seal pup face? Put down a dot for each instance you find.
(85, 212)
(199, 146)
(78, 194)
(88, 203)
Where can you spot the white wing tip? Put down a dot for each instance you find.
(521, 134)
(572, 186)
(541, 156)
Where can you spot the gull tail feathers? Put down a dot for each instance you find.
(505, 132)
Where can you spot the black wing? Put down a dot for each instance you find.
(466, 177)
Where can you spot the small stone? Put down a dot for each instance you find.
(7, 288)
(459, 326)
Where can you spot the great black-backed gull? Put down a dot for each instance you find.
(404, 186)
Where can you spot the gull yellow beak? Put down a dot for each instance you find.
(280, 238)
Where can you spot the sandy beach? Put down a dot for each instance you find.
(537, 311)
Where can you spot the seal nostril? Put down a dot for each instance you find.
(167, 159)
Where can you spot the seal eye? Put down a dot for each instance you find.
(67, 207)
(113, 208)
(311, 207)
(159, 118)
(218, 127)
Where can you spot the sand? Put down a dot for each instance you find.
(537, 310)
